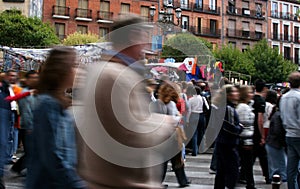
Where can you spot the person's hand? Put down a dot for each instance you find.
(262, 141)
(33, 91)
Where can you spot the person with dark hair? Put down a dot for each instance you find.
(52, 153)
(26, 107)
(196, 117)
(276, 145)
(259, 108)
(290, 115)
(228, 140)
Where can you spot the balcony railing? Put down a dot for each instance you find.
(206, 32)
(285, 38)
(242, 34)
(206, 9)
(231, 10)
(285, 16)
(104, 15)
(83, 14)
(60, 11)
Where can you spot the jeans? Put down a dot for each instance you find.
(227, 166)
(260, 152)
(293, 145)
(199, 121)
(11, 137)
(277, 160)
(5, 128)
(246, 172)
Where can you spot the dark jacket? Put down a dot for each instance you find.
(276, 136)
(4, 92)
(229, 133)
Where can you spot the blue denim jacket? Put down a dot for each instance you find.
(53, 148)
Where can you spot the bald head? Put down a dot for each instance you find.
(294, 79)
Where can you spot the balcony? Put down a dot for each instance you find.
(60, 12)
(83, 14)
(285, 16)
(285, 38)
(105, 17)
(207, 9)
(187, 6)
(241, 34)
(231, 10)
(206, 32)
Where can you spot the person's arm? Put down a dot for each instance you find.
(260, 121)
(52, 151)
(18, 96)
(189, 111)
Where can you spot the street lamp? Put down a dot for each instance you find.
(165, 15)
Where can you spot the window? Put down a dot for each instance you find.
(245, 5)
(83, 4)
(295, 11)
(104, 10)
(60, 30)
(286, 32)
(258, 10)
(285, 12)
(184, 4)
(166, 2)
(287, 53)
(199, 25)
(125, 8)
(212, 5)
(245, 46)
(145, 13)
(275, 31)
(274, 10)
(213, 27)
(103, 33)
(275, 47)
(246, 29)
(296, 53)
(199, 4)
(231, 6)
(61, 3)
(231, 28)
(258, 31)
(185, 22)
(82, 29)
(296, 34)
(232, 43)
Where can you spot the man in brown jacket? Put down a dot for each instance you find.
(121, 144)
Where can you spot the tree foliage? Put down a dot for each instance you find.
(81, 39)
(17, 30)
(185, 45)
(260, 61)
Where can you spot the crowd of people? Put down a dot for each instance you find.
(257, 123)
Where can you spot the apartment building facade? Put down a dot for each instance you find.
(90, 15)
(245, 22)
(21, 5)
(284, 24)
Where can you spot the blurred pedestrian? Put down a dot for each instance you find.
(53, 156)
(26, 107)
(289, 110)
(227, 141)
(271, 100)
(259, 108)
(246, 118)
(122, 105)
(276, 145)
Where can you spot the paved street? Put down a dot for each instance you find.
(196, 169)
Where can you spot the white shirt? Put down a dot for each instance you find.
(196, 105)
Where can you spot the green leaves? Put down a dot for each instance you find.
(260, 61)
(183, 45)
(17, 30)
(81, 39)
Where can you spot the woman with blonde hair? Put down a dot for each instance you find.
(246, 117)
(169, 96)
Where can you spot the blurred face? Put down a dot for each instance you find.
(11, 77)
(234, 95)
(32, 80)
(250, 94)
(70, 79)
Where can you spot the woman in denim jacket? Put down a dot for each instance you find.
(53, 150)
